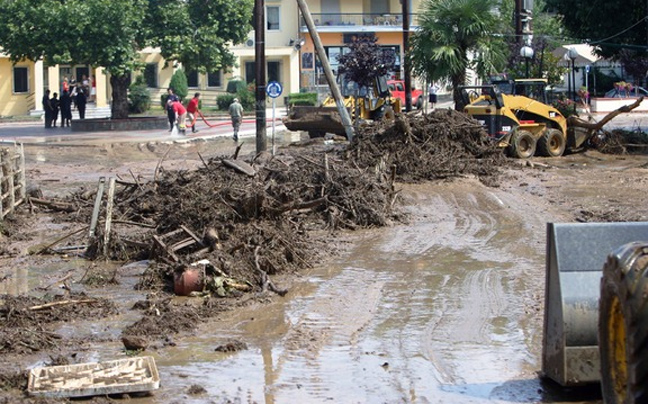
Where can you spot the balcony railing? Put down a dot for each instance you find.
(359, 19)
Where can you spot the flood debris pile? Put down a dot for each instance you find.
(246, 219)
(620, 141)
(440, 145)
(25, 319)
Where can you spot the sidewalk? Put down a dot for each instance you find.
(34, 132)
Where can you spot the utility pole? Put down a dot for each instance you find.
(260, 75)
(518, 22)
(335, 91)
(406, 66)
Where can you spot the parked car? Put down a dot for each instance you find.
(635, 92)
(397, 88)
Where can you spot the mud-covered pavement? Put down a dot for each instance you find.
(444, 309)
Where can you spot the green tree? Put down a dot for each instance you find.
(610, 25)
(110, 33)
(179, 84)
(546, 37)
(454, 36)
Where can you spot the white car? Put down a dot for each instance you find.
(635, 92)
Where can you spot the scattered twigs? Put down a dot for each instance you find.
(157, 167)
(265, 281)
(47, 247)
(59, 281)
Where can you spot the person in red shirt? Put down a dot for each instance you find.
(180, 114)
(192, 110)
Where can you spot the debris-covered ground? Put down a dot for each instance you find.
(227, 228)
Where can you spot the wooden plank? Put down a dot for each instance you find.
(109, 209)
(97, 206)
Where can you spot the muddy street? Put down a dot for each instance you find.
(446, 308)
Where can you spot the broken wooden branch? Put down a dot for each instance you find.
(61, 303)
(596, 126)
(56, 205)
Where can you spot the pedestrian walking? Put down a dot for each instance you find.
(54, 103)
(192, 110)
(80, 101)
(236, 114)
(433, 89)
(66, 109)
(171, 98)
(47, 108)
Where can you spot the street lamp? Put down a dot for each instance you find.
(527, 53)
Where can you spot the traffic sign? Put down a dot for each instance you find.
(273, 89)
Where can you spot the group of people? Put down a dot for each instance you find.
(52, 106)
(177, 113)
(87, 84)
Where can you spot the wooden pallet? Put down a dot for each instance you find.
(132, 375)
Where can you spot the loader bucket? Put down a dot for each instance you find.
(576, 253)
(315, 120)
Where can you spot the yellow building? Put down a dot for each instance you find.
(289, 52)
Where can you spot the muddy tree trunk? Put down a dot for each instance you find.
(119, 96)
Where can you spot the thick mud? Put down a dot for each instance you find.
(446, 308)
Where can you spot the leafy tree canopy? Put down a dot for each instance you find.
(610, 25)
(454, 36)
(110, 33)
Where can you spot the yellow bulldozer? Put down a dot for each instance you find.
(521, 120)
(372, 103)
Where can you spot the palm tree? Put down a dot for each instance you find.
(454, 36)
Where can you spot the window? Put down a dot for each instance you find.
(272, 18)
(150, 75)
(274, 71)
(192, 79)
(20, 80)
(214, 79)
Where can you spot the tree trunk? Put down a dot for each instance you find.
(119, 96)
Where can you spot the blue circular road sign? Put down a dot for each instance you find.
(273, 89)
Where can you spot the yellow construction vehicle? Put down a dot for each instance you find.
(523, 124)
(373, 103)
(596, 308)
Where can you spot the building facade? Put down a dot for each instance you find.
(289, 52)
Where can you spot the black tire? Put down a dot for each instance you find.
(623, 326)
(552, 143)
(419, 103)
(523, 145)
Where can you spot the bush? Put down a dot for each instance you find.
(245, 95)
(223, 101)
(302, 99)
(233, 86)
(179, 84)
(139, 97)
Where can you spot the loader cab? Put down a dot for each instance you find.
(535, 89)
